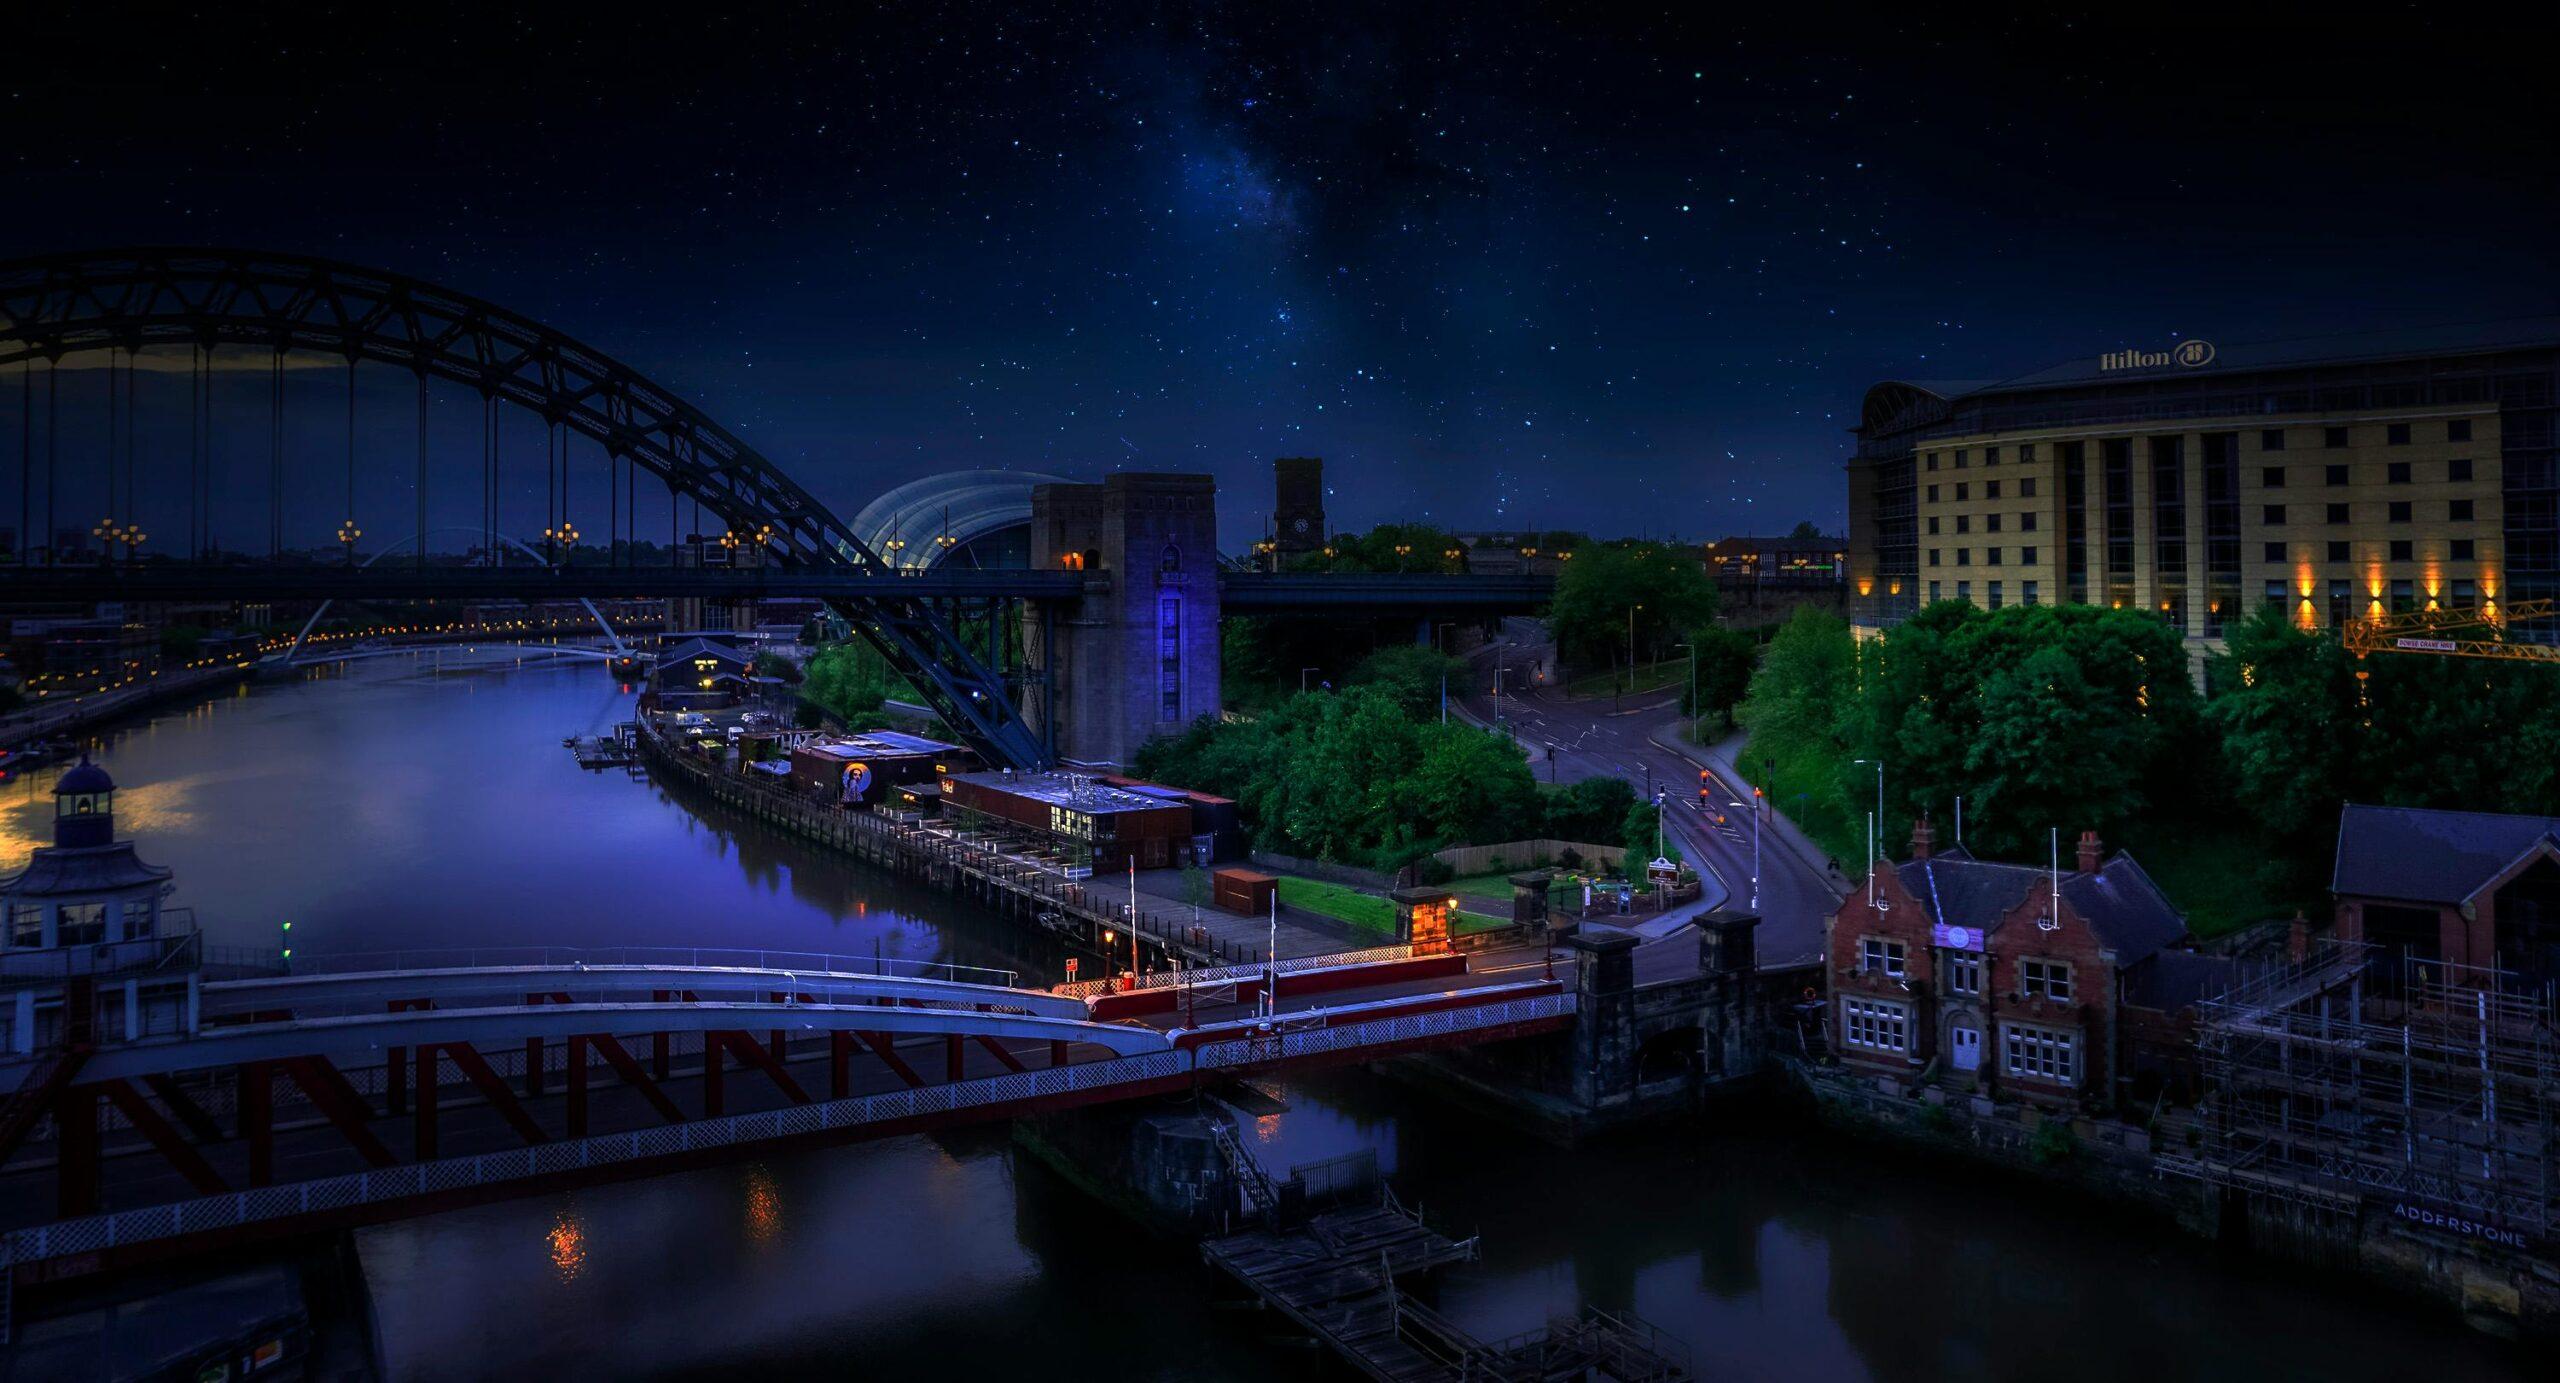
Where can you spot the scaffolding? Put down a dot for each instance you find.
(2352, 1077)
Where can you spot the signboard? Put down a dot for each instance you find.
(1955, 938)
(2456, 1224)
(2187, 354)
(2428, 645)
(1071, 969)
(857, 781)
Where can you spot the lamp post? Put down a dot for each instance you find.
(1875, 824)
(1755, 851)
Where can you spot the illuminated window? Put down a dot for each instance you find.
(81, 924)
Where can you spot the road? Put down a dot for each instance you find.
(1599, 737)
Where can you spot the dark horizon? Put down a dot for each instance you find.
(1629, 276)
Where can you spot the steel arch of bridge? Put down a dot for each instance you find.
(58, 305)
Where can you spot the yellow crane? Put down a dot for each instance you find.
(2470, 631)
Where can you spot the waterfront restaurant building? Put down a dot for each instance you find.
(2336, 478)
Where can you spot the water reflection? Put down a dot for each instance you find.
(429, 804)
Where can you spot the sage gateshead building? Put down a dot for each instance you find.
(2337, 477)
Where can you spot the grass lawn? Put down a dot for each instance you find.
(1367, 912)
(1649, 677)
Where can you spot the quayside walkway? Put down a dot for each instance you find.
(366, 1094)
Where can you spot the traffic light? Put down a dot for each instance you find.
(1705, 781)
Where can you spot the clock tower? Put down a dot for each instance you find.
(1297, 519)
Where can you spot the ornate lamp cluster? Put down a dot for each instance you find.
(110, 532)
(733, 540)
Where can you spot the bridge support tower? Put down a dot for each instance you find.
(1137, 655)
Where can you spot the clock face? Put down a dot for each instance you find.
(1299, 524)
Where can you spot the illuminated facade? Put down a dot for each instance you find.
(2336, 478)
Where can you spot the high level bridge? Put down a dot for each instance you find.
(1110, 633)
(385, 1088)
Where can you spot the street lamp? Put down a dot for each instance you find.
(1755, 848)
(347, 535)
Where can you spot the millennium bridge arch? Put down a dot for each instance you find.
(206, 299)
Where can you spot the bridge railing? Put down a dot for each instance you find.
(699, 957)
(1173, 979)
(100, 1233)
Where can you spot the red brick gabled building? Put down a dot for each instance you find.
(2468, 889)
(2012, 976)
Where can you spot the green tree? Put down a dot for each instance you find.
(1804, 532)
(850, 681)
(2285, 713)
(1593, 810)
(1726, 659)
(1613, 594)
(1412, 674)
(1800, 695)
(2050, 753)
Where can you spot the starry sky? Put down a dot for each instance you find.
(1620, 270)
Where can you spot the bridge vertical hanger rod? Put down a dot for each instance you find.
(351, 458)
(275, 455)
(52, 456)
(114, 439)
(422, 468)
(132, 425)
(26, 454)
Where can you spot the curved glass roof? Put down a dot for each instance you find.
(967, 505)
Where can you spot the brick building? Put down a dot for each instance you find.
(2055, 986)
(2477, 889)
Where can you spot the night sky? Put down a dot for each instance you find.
(1628, 272)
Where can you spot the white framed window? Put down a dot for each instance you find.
(2040, 1053)
(2045, 979)
(1964, 973)
(1875, 1024)
(136, 919)
(1876, 954)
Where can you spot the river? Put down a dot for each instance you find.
(425, 802)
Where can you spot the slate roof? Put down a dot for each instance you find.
(2127, 911)
(56, 872)
(2173, 980)
(2424, 856)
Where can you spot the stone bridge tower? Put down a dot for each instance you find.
(1137, 657)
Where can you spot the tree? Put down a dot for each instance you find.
(2285, 715)
(1593, 810)
(1800, 693)
(850, 681)
(1804, 532)
(2050, 753)
(1614, 593)
(1726, 659)
(1412, 674)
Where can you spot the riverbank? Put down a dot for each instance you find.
(72, 715)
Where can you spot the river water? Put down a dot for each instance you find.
(425, 802)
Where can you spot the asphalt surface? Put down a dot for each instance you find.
(1570, 739)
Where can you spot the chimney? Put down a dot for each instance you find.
(2297, 938)
(1924, 837)
(2090, 853)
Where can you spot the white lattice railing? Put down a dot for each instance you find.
(1169, 979)
(97, 1233)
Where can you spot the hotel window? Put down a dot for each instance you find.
(1875, 1024)
(2337, 475)
(1964, 972)
(2400, 509)
(2039, 1053)
(2333, 437)
(2465, 591)
(2403, 550)
(1961, 461)
(2404, 595)
(1964, 591)
(2458, 510)
(2026, 453)
(2275, 553)
(1964, 557)
(1933, 525)
(2271, 439)
(1933, 494)
(2273, 514)
(1933, 558)
(2045, 979)
(26, 924)
(2026, 487)
(2027, 558)
(2275, 595)
(2337, 550)
(2459, 430)
(1961, 487)
(2462, 549)
(2397, 434)
(1991, 557)
(2027, 589)
(1933, 586)
(1991, 456)
(2337, 513)
(2397, 473)
(2027, 522)
(1878, 955)
(2458, 469)
(1964, 523)
(2271, 476)
(1933, 462)
(2341, 596)
(1991, 523)
(1991, 489)
(1992, 596)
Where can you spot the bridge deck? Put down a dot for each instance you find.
(1334, 1276)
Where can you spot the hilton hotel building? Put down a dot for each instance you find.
(2335, 477)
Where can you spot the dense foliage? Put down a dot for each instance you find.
(1725, 660)
(1614, 594)
(849, 681)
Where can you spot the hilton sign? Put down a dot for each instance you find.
(2188, 353)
